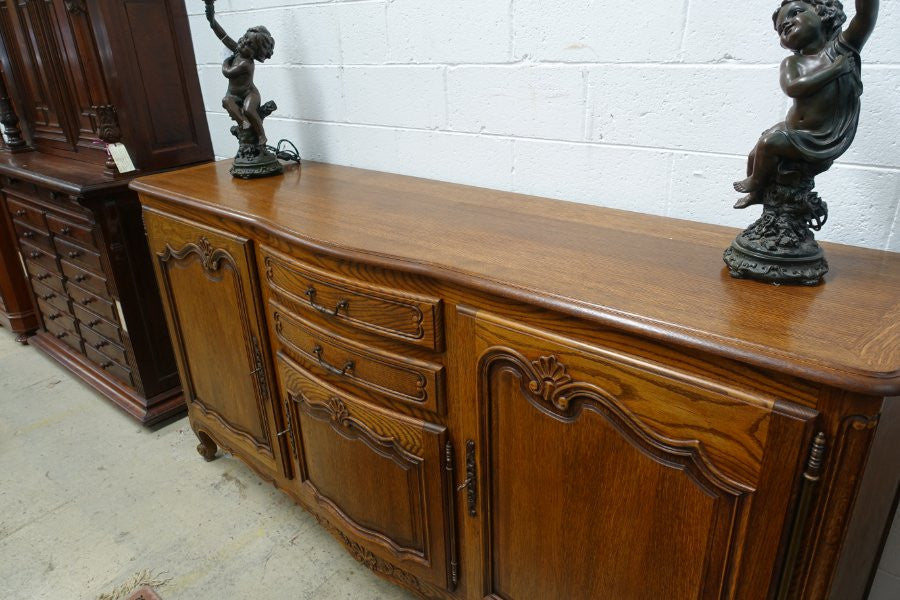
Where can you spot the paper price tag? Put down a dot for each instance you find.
(121, 157)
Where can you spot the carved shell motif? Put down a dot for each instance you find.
(339, 413)
(551, 375)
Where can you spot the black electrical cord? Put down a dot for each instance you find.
(292, 155)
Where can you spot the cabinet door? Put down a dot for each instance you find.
(209, 290)
(377, 479)
(607, 476)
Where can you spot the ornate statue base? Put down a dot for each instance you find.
(780, 247)
(254, 160)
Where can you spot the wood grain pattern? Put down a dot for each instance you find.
(510, 245)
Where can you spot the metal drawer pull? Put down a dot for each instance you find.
(28, 235)
(106, 365)
(99, 345)
(81, 278)
(74, 254)
(87, 301)
(61, 335)
(54, 316)
(341, 305)
(43, 276)
(48, 296)
(348, 366)
(65, 230)
(34, 254)
(94, 323)
(20, 213)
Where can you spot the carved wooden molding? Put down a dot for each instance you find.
(76, 7)
(213, 260)
(547, 385)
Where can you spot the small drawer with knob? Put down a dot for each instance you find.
(79, 233)
(39, 256)
(33, 235)
(84, 278)
(60, 318)
(109, 366)
(46, 294)
(45, 276)
(91, 302)
(104, 346)
(83, 257)
(87, 319)
(57, 330)
(393, 313)
(26, 213)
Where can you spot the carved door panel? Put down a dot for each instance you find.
(605, 476)
(379, 480)
(208, 285)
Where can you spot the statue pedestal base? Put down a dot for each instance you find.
(780, 247)
(255, 162)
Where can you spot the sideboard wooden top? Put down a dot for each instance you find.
(659, 277)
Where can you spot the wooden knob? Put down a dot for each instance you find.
(54, 316)
(87, 301)
(34, 254)
(81, 278)
(43, 276)
(65, 230)
(61, 335)
(28, 235)
(20, 213)
(94, 323)
(74, 254)
(99, 345)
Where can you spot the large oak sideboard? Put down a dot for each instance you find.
(485, 395)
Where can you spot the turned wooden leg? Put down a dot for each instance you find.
(207, 448)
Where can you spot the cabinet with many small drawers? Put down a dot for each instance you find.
(484, 397)
(83, 253)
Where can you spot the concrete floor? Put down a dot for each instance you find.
(88, 498)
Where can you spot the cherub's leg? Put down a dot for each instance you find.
(251, 111)
(762, 165)
(234, 111)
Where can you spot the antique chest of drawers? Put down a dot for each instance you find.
(488, 396)
(78, 235)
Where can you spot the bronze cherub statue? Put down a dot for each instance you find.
(823, 77)
(243, 101)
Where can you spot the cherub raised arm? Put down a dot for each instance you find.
(823, 78)
(242, 99)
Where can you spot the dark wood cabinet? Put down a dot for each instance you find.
(17, 312)
(474, 418)
(81, 74)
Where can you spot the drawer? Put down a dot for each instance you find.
(87, 319)
(84, 258)
(80, 234)
(53, 297)
(26, 213)
(398, 377)
(33, 235)
(58, 317)
(99, 343)
(84, 278)
(17, 185)
(392, 313)
(120, 372)
(91, 301)
(39, 257)
(57, 330)
(45, 276)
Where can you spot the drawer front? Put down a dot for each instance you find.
(60, 317)
(50, 296)
(391, 313)
(40, 257)
(92, 302)
(71, 231)
(408, 380)
(103, 346)
(45, 276)
(82, 257)
(84, 278)
(33, 235)
(379, 477)
(120, 372)
(87, 319)
(56, 329)
(26, 213)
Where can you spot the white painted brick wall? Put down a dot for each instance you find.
(651, 110)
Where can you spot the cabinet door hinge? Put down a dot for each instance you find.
(811, 475)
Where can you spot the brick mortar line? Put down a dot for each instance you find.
(660, 149)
